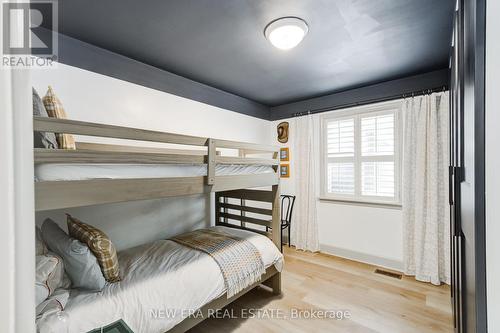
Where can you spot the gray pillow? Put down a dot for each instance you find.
(40, 246)
(79, 262)
(42, 139)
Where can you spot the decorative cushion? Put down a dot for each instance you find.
(99, 244)
(55, 109)
(79, 262)
(49, 276)
(42, 139)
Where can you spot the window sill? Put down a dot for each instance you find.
(363, 203)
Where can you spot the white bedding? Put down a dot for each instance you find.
(61, 171)
(160, 281)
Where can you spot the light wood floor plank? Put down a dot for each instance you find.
(377, 303)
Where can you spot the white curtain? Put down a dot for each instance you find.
(425, 188)
(305, 223)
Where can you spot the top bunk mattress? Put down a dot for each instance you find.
(65, 172)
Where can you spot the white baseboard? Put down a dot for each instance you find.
(362, 257)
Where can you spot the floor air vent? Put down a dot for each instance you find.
(387, 273)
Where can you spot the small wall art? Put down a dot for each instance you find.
(284, 171)
(285, 154)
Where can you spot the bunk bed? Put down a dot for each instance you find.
(98, 173)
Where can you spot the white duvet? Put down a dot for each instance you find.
(162, 281)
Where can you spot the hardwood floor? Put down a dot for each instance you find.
(311, 282)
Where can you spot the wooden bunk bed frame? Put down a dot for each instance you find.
(51, 195)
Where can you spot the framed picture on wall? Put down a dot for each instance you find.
(284, 171)
(284, 154)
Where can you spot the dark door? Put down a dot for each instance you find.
(467, 168)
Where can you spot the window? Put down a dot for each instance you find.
(361, 154)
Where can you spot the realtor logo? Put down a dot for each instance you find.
(29, 37)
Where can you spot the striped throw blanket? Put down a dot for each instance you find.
(239, 261)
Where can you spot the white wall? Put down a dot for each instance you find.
(371, 234)
(93, 97)
(492, 164)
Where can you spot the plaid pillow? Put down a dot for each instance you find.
(55, 109)
(99, 244)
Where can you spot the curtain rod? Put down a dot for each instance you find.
(371, 101)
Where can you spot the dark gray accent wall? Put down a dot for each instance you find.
(373, 93)
(76, 53)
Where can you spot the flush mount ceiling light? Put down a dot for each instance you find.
(287, 32)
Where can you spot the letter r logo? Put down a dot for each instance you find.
(28, 28)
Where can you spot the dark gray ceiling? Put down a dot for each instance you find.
(351, 43)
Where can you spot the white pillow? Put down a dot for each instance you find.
(55, 303)
(49, 276)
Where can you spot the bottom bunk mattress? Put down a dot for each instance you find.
(162, 283)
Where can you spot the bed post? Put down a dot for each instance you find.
(211, 155)
(276, 225)
(217, 208)
(275, 281)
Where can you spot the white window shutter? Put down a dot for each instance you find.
(340, 138)
(340, 178)
(340, 152)
(361, 155)
(377, 135)
(377, 140)
(377, 179)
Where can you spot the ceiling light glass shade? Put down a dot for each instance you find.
(287, 32)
